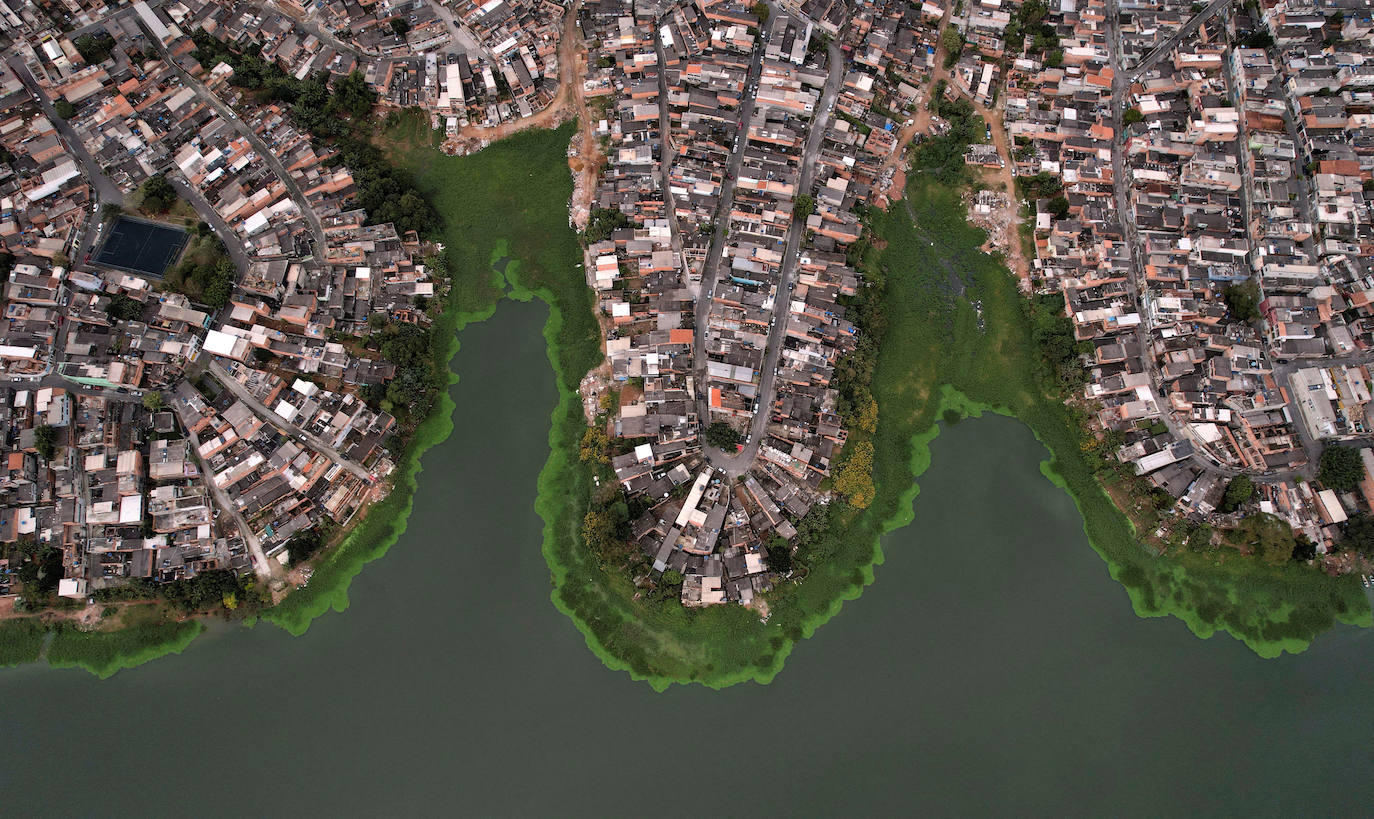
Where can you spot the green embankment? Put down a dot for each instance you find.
(1272, 609)
(21, 641)
(105, 652)
(100, 652)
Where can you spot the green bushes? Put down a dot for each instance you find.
(21, 641)
(943, 156)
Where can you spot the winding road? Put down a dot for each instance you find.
(265, 151)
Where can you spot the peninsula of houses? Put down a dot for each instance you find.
(211, 353)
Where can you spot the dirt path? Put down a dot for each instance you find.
(568, 102)
(920, 124)
(1002, 179)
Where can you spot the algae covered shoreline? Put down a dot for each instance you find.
(507, 236)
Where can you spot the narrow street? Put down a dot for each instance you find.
(1121, 84)
(738, 463)
(104, 189)
(264, 568)
(214, 368)
(266, 152)
(710, 268)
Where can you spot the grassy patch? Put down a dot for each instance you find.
(103, 653)
(21, 641)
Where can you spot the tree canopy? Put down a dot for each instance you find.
(1238, 491)
(45, 441)
(1359, 535)
(94, 49)
(722, 436)
(124, 308)
(779, 555)
(1340, 468)
(158, 194)
(1243, 300)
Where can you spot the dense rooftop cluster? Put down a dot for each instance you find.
(739, 146)
(1200, 175)
(166, 419)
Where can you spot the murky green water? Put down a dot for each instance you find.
(993, 667)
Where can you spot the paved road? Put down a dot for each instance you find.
(1163, 49)
(226, 234)
(315, 441)
(324, 35)
(1121, 83)
(55, 380)
(735, 464)
(103, 188)
(711, 267)
(264, 568)
(265, 151)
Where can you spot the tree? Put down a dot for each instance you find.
(854, 477)
(1304, 549)
(1340, 468)
(594, 447)
(63, 108)
(602, 223)
(722, 436)
(1359, 535)
(1132, 116)
(805, 206)
(153, 401)
(94, 50)
(304, 545)
(158, 194)
(124, 308)
(399, 26)
(45, 441)
(109, 211)
(761, 11)
(1059, 206)
(1238, 491)
(779, 555)
(1243, 300)
(953, 42)
(600, 529)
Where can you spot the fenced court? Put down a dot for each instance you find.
(136, 246)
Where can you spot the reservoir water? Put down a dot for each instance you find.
(992, 667)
